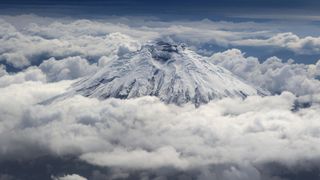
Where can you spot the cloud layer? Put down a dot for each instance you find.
(124, 133)
(273, 74)
(143, 138)
(29, 40)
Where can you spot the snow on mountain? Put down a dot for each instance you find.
(170, 72)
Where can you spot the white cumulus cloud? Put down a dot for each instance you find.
(68, 68)
(70, 177)
(272, 74)
(131, 134)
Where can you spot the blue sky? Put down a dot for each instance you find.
(172, 8)
(168, 3)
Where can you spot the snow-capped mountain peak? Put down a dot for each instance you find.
(170, 72)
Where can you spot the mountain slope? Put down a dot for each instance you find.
(171, 72)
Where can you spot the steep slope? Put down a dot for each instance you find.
(171, 72)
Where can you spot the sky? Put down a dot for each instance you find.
(165, 8)
(47, 46)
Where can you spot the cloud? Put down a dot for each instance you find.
(30, 74)
(128, 134)
(272, 74)
(35, 39)
(22, 48)
(3, 70)
(144, 138)
(51, 70)
(70, 177)
(306, 45)
(162, 157)
(6, 28)
(68, 68)
(94, 43)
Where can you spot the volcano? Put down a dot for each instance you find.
(171, 72)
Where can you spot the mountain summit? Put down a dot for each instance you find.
(170, 72)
